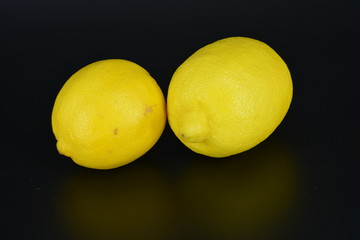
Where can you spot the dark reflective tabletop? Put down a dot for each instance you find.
(300, 183)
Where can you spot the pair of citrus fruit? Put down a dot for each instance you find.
(224, 99)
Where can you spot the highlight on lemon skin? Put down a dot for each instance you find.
(229, 96)
(108, 114)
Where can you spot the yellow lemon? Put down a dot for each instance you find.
(108, 114)
(229, 96)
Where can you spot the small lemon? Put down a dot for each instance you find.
(229, 96)
(108, 114)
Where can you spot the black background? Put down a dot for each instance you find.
(301, 183)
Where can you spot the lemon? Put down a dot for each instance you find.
(229, 96)
(108, 114)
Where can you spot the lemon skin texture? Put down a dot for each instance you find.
(108, 114)
(229, 96)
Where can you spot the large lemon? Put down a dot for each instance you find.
(229, 96)
(108, 114)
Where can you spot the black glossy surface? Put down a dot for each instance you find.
(301, 183)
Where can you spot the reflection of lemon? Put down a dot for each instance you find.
(237, 199)
(128, 203)
(229, 96)
(108, 114)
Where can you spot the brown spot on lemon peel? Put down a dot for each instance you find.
(148, 109)
(115, 132)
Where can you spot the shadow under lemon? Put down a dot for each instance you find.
(249, 195)
(132, 202)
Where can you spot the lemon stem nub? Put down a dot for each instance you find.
(62, 148)
(195, 127)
